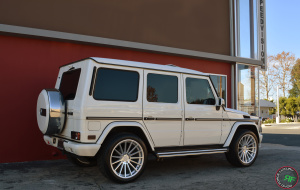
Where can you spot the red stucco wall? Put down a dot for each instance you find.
(29, 65)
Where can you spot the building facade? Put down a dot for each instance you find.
(225, 38)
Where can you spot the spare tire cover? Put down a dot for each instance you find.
(50, 111)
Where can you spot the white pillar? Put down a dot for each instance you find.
(277, 117)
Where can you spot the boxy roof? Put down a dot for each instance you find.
(267, 104)
(170, 68)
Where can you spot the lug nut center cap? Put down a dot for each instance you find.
(125, 158)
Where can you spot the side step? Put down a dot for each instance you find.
(190, 152)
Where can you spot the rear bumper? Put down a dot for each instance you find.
(79, 149)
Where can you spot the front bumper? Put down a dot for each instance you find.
(260, 139)
(79, 149)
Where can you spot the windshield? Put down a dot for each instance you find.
(69, 84)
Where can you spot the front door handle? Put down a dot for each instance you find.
(190, 119)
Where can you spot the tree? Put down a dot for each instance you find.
(291, 106)
(151, 94)
(267, 79)
(282, 64)
(282, 106)
(295, 79)
(295, 91)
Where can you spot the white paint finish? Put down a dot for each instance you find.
(147, 66)
(237, 113)
(233, 130)
(75, 122)
(81, 149)
(94, 126)
(112, 125)
(226, 127)
(163, 132)
(104, 108)
(201, 132)
(43, 102)
(74, 147)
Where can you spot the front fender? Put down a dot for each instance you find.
(234, 129)
(112, 125)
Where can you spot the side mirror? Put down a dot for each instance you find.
(221, 103)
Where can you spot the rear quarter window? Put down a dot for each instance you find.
(69, 83)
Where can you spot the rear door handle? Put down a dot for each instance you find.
(149, 118)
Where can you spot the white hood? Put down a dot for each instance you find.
(237, 111)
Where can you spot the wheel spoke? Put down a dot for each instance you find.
(133, 149)
(116, 156)
(129, 169)
(120, 145)
(125, 168)
(135, 162)
(133, 167)
(116, 162)
(136, 157)
(129, 146)
(118, 152)
(125, 151)
(248, 139)
(121, 169)
(118, 166)
(135, 153)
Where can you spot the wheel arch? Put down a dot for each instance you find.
(241, 125)
(130, 127)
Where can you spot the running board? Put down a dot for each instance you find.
(191, 152)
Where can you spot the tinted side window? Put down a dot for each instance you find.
(162, 88)
(116, 85)
(69, 83)
(198, 91)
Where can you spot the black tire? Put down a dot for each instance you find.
(107, 155)
(82, 161)
(233, 155)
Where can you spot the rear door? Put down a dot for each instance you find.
(162, 107)
(203, 121)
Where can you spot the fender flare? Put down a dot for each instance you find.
(234, 128)
(112, 125)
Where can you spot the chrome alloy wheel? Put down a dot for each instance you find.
(247, 149)
(127, 158)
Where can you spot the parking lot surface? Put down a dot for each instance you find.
(201, 172)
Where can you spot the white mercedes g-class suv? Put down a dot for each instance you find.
(113, 113)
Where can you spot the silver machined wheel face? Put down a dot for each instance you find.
(127, 158)
(247, 149)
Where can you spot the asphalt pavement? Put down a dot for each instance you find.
(280, 148)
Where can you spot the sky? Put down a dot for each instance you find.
(283, 29)
(283, 26)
